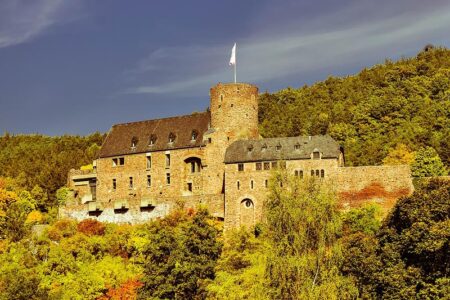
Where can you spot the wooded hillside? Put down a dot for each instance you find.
(404, 102)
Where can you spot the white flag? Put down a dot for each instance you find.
(233, 56)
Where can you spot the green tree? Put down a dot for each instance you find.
(427, 163)
(180, 256)
(303, 228)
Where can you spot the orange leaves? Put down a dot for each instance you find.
(91, 227)
(126, 291)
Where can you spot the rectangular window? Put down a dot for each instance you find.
(240, 167)
(149, 180)
(301, 174)
(168, 178)
(114, 162)
(189, 186)
(282, 164)
(322, 173)
(266, 183)
(297, 173)
(149, 162)
(121, 161)
(274, 165)
(251, 184)
(238, 185)
(118, 161)
(312, 172)
(267, 166)
(258, 166)
(167, 160)
(317, 173)
(131, 183)
(114, 184)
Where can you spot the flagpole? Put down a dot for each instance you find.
(235, 73)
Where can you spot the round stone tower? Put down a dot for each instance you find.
(234, 110)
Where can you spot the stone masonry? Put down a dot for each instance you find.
(216, 159)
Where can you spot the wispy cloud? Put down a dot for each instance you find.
(21, 21)
(267, 56)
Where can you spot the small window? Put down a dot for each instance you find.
(297, 146)
(312, 172)
(251, 184)
(221, 98)
(134, 142)
(172, 137)
(316, 155)
(121, 161)
(267, 166)
(114, 184)
(238, 185)
(149, 162)
(167, 160)
(297, 173)
(264, 147)
(209, 140)
(317, 173)
(231, 105)
(266, 183)
(152, 140)
(250, 148)
(301, 174)
(189, 186)
(115, 162)
(278, 147)
(282, 164)
(248, 203)
(274, 165)
(322, 173)
(168, 178)
(240, 167)
(149, 180)
(258, 166)
(131, 183)
(194, 135)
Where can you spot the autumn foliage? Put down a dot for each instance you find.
(91, 227)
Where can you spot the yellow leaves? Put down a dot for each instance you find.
(34, 217)
(87, 167)
(400, 155)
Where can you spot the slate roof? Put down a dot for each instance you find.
(283, 148)
(119, 139)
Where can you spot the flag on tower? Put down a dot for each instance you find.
(233, 56)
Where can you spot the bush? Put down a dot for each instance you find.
(91, 227)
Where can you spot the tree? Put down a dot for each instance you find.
(303, 227)
(180, 256)
(427, 163)
(400, 155)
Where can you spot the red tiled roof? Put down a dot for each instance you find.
(119, 139)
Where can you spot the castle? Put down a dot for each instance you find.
(218, 159)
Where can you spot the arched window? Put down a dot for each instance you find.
(194, 135)
(172, 137)
(152, 140)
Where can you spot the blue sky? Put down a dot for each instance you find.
(76, 67)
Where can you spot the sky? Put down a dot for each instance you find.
(76, 67)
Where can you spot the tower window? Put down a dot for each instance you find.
(149, 162)
(149, 180)
(240, 167)
(114, 184)
(238, 184)
(189, 186)
(266, 183)
(251, 184)
(192, 166)
(168, 178)
(131, 183)
(167, 160)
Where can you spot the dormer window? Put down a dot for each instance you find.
(194, 135)
(297, 146)
(152, 140)
(264, 147)
(134, 142)
(316, 154)
(250, 148)
(278, 147)
(171, 137)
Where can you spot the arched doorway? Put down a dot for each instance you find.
(247, 212)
